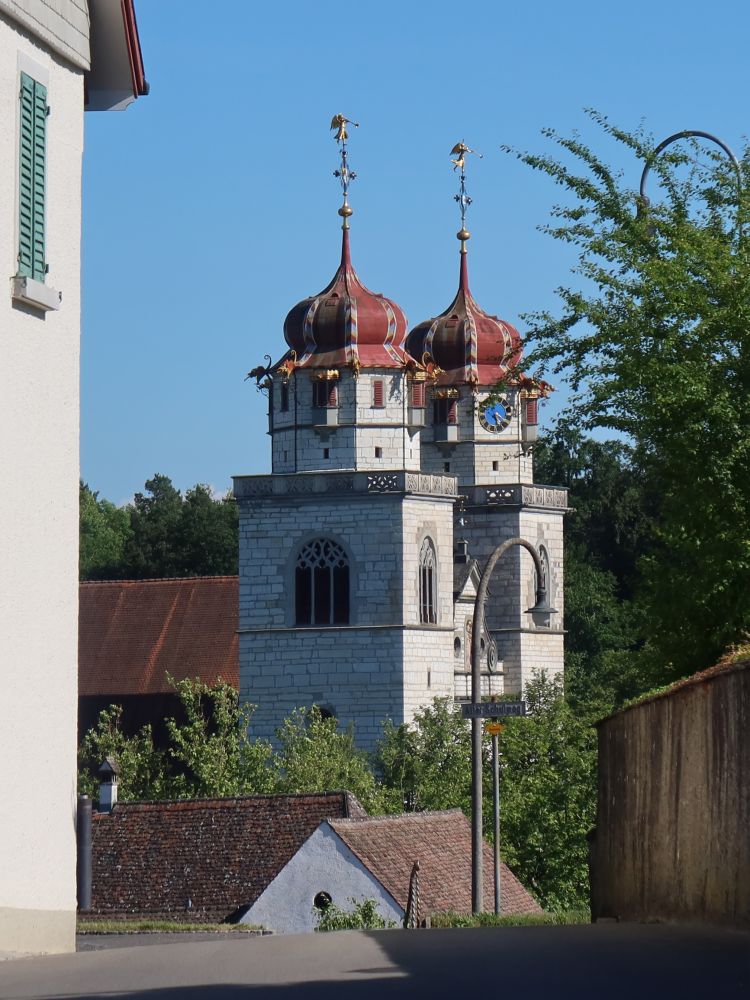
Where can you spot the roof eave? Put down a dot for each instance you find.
(117, 76)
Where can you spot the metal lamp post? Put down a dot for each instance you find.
(541, 610)
(644, 201)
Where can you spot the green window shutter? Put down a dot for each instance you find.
(32, 179)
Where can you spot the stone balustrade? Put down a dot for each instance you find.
(347, 483)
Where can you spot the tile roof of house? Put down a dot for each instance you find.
(132, 633)
(150, 858)
(441, 841)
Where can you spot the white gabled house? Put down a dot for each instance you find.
(57, 58)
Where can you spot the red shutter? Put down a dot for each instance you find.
(332, 396)
(452, 409)
(377, 392)
(417, 394)
(532, 411)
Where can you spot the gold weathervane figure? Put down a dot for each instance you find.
(340, 122)
(459, 151)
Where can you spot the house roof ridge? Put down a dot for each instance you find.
(399, 817)
(149, 805)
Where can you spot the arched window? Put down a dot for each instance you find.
(321, 584)
(427, 583)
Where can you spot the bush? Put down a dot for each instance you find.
(364, 917)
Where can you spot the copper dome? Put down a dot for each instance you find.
(467, 343)
(346, 323)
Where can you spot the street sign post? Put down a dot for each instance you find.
(493, 709)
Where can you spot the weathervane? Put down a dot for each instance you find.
(344, 174)
(459, 151)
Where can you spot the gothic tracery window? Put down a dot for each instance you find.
(427, 583)
(321, 584)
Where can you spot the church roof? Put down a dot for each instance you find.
(132, 633)
(471, 346)
(201, 859)
(441, 842)
(347, 324)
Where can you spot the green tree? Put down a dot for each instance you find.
(153, 549)
(207, 537)
(364, 916)
(144, 772)
(104, 533)
(653, 336)
(212, 752)
(315, 756)
(548, 797)
(427, 765)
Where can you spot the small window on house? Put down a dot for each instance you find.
(417, 394)
(284, 401)
(322, 900)
(427, 583)
(457, 646)
(321, 584)
(325, 394)
(326, 453)
(32, 179)
(495, 466)
(444, 411)
(378, 393)
(446, 466)
(429, 678)
(378, 453)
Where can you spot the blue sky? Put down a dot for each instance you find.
(210, 206)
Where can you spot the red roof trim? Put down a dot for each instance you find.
(135, 55)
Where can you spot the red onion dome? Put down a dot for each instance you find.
(467, 343)
(346, 323)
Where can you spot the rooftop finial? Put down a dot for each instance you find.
(459, 151)
(344, 174)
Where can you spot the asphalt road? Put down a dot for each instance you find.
(613, 961)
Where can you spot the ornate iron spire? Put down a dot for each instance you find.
(459, 151)
(344, 174)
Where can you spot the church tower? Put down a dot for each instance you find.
(353, 595)
(481, 426)
(346, 550)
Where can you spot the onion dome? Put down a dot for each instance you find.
(466, 342)
(346, 323)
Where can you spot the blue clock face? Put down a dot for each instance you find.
(496, 416)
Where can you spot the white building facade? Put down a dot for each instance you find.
(46, 61)
(397, 467)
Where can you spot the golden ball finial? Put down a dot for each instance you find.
(463, 235)
(346, 210)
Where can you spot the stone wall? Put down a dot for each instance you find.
(384, 663)
(673, 814)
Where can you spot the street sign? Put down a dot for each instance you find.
(493, 709)
(493, 728)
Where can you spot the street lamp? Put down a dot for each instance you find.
(540, 613)
(644, 201)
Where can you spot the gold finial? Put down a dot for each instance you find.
(459, 151)
(344, 174)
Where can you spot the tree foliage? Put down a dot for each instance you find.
(160, 534)
(314, 755)
(364, 916)
(653, 335)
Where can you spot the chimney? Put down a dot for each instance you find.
(109, 775)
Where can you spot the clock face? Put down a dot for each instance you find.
(495, 416)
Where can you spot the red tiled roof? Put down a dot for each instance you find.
(152, 857)
(132, 633)
(441, 841)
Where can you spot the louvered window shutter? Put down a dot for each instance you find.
(417, 394)
(452, 411)
(332, 395)
(32, 179)
(377, 392)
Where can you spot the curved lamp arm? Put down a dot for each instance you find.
(542, 605)
(688, 134)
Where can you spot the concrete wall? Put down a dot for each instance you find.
(39, 512)
(673, 813)
(323, 864)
